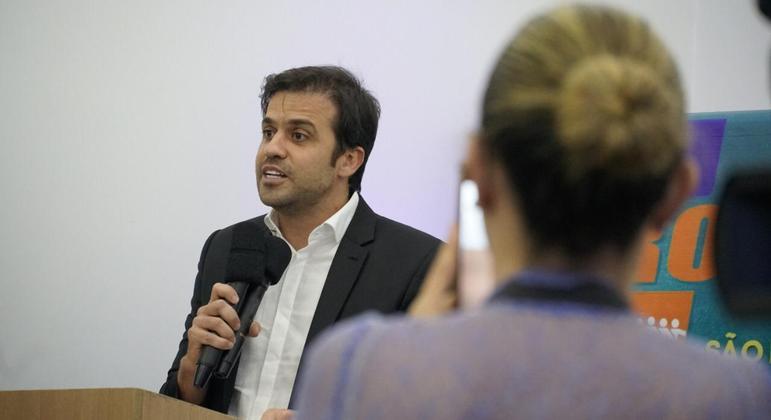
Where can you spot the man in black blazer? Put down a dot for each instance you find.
(319, 127)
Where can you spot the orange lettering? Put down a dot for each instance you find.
(649, 261)
(686, 261)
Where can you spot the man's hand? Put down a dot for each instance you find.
(278, 414)
(439, 294)
(214, 325)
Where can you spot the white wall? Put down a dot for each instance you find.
(128, 130)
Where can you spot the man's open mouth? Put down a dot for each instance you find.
(271, 173)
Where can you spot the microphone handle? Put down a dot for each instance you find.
(210, 356)
(246, 315)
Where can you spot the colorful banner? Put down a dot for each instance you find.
(676, 293)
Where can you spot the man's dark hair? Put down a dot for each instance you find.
(357, 110)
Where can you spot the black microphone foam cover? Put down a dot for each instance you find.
(246, 261)
(277, 257)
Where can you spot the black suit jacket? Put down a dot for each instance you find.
(379, 265)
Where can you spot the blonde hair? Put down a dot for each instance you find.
(592, 96)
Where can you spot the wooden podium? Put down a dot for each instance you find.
(99, 404)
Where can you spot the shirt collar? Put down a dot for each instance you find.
(338, 222)
(548, 285)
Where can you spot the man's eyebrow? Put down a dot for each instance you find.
(302, 122)
(294, 121)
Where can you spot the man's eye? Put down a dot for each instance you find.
(298, 136)
(267, 133)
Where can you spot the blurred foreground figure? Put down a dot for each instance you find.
(581, 153)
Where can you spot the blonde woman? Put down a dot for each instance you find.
(581, 152)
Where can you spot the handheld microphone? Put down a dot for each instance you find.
(246, 270)
(277, 256)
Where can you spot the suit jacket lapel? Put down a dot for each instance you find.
(343, 274)
(345, 268)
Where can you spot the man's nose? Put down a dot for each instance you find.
(276, 146)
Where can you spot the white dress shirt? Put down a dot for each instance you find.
(269, 362)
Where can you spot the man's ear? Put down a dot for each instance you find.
(681, 186)
(350, 161)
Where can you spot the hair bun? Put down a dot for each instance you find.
(617, 116)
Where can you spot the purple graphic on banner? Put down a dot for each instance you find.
(707, 139)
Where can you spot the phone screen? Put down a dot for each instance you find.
(476, 278)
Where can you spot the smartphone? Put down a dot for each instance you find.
(476, 277)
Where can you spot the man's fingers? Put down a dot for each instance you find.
(255, 329)
(220, 309)
(200, 337)
(278, 414)
(215, 325)
(216, 322)
(223, 291)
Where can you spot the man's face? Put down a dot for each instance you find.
(294, 162)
